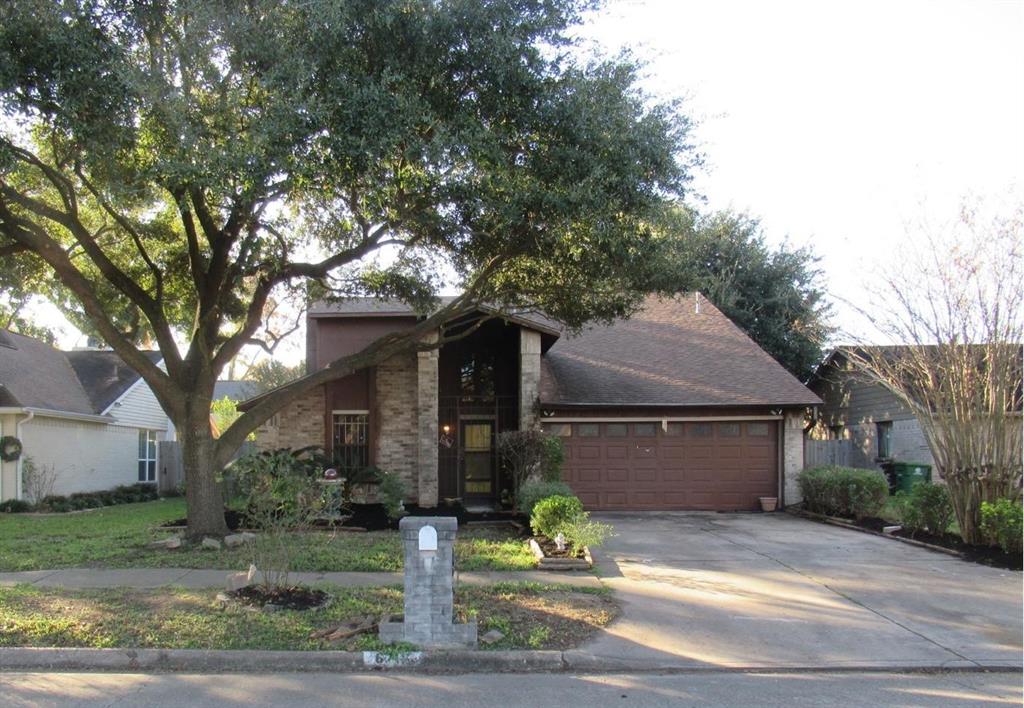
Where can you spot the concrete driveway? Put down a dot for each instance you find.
(773, 590)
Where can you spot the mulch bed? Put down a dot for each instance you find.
(297, 597)
(372, 517)
(983, 555)
(551, 550)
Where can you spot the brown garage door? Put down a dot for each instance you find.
(722, 466)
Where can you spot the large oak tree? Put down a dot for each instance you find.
(179, 167)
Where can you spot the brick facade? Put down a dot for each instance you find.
(426, 413)
(397, 437)
(299, 424)
(792, 456)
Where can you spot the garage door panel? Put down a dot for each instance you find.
(696, 470)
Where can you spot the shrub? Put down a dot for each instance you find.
(15, 506)
(581, 532)
(552, 456)
(1002, 524)
(926, 507)
(282, 495)
(37, 480)
(844, 491)
(392, 494)
(534, 490)
(551, 513)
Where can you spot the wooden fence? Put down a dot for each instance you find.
(827, 452)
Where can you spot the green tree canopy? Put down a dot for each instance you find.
(176, 166)
(775, 295)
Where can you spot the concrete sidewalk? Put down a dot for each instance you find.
(191, 578)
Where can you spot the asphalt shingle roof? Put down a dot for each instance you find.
(670, 353)
(35, 375)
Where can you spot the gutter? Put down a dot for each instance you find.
(50, 413)
(21, 458)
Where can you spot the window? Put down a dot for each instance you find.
(674, 430)
(883, 431)
(588, 430)
(644, 430)
(147, 455)
(615, 430)
(699, 430)
(351, 440)
(562, 430)
(757, 430)
(476, 375)
(728, 430)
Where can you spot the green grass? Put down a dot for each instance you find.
(530, 615)
(116, 537)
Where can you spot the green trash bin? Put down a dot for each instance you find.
(906, 474)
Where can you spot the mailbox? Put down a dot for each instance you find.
(428, 540)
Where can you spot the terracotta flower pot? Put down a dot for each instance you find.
(769, 503)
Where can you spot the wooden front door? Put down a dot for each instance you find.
(477, 460)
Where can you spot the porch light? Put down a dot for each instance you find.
(446, 428)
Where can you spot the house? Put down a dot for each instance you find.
(857, 408)
(674, 408)
(84, 412)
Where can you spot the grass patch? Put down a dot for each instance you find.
(531, 617)
(116, 537)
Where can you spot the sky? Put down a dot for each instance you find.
(841, 125)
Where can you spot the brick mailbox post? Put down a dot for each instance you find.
(429, 544)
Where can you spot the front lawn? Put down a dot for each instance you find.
(116, 537)
(532, 616)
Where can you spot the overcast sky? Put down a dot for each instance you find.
(841, 125)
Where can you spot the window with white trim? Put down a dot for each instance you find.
(351, 440)
(147, 455)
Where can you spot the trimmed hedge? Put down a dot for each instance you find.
(926, 507)
(844, 491)
(1002, 522)
(124, 494)
(533, 491)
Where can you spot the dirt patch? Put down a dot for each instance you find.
(296, 597)
(550, 549)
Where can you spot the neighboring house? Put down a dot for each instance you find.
(84, 412)
(675, 408)
(234, 390)
(857, 408)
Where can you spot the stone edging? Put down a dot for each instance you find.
(434, 662)
(842, 523)
(551, 563)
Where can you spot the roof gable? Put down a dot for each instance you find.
(675, 351)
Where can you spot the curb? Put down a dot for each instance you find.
(436, 662)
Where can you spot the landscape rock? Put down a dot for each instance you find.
(210, 543)
(238, 539)
(891, 529)
(237, 581)
(492, 637)
(166, 543)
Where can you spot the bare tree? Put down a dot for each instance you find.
(954, 306)
(37, 480)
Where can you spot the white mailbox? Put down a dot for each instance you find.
(428, 539)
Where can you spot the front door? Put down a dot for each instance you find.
(478, 460)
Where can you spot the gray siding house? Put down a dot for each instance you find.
(858, 409)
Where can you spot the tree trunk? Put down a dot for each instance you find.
(203, 493)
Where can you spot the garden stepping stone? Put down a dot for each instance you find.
(210, 543)
(238, 539)
(166, 543)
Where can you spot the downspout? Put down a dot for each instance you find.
(17, 428)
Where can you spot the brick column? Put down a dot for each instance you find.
(529, 377)
(426, 426)
(792, 455)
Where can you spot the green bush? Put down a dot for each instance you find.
(550, 514)
(392, 494)
(15, 506)
(533, 491)
(552, 456)
(1002, 523)
(844, 491)
(926, 507)
(582, 532)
